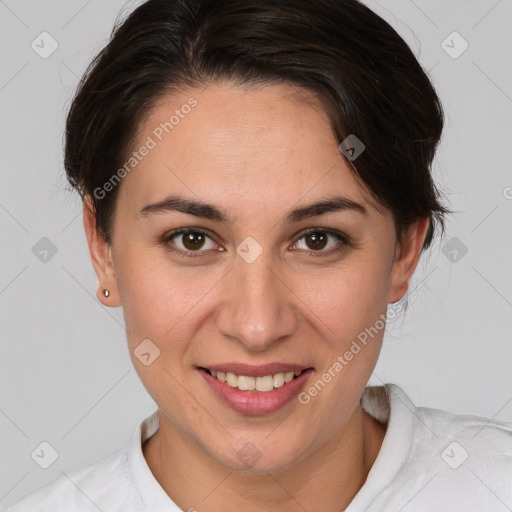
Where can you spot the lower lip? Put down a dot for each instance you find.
(256, 402)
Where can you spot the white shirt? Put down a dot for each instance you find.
(430, 461)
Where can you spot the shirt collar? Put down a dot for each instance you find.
(151, 492)
(387, 404)
(390, 405)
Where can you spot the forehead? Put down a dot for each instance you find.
(254, 148)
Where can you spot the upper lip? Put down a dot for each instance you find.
(256, 370)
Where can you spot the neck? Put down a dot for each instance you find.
(326, 480)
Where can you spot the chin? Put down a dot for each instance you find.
(258, 457)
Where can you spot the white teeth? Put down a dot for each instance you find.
(232, 380)
(265, 383)
(288, 377)
(262, 384)
(246, 383)
(278, 380)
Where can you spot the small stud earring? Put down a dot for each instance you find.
(106, 293)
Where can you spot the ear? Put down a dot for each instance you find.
(406, 258)
(101, 257)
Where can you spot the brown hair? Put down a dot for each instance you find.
(365, 75)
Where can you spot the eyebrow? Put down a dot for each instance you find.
(176, 203)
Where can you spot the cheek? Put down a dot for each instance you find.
(159, 299)
(350, 299)
(155, 302)
(160, 304)
(157, 295)
(354, 309)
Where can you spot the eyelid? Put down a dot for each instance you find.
(342, 237)
(181, 231)
(334, 232)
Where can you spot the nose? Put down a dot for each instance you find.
(258, 305)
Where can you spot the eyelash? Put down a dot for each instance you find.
(346, 242)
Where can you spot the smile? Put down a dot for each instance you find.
(258, 384)
(268, 389)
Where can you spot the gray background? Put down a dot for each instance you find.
(65, 375)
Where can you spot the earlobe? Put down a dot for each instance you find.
(407, 256)
(101, 257)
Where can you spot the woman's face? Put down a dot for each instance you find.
(252, 289)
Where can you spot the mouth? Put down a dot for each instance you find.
(256, 384)
(256, 390)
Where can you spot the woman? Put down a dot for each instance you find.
(257, 192)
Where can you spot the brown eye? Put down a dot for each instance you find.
(193, 240)
(188, 241)
(316, 240)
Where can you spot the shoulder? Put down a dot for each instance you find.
(457, 459)
(103, 485)
(454, 437)
(431, 459)
(482, 437)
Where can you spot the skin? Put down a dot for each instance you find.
(256, 153)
